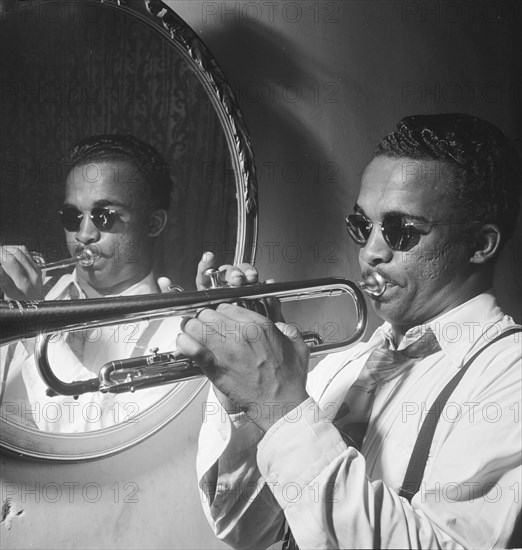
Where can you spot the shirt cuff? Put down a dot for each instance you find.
(297, 448)
(220, 430)
(224, 439)
(221, 418)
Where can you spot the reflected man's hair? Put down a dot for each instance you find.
(142, 157)
(483, 164)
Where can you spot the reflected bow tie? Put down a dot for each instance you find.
(382, 365)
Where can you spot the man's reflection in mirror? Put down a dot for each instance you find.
(117, 194)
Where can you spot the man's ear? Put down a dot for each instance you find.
(157, 222)
(488, 243)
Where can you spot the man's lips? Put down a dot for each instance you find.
(87, 256)
(387, 280)
(387, 292)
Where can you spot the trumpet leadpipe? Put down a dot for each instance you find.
(47, 267)
(86, 258)
(20, 320)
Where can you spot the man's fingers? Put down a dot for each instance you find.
(204, 326)
(231, 275)
(164, 284)
(233, 313)
(227, 324)
(238, 275)
(250, 272)
(290, 331)
(192, 349)
(19, 274)
(18, 254)
(207, 261)
(10, 290)
(299, 345)
(227, 273)
(28, 259)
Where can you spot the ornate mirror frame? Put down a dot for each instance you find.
(154, 14)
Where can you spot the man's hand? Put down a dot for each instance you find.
(232, 275)
(20, 276)
(258, 366)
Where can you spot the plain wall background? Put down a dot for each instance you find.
(319, 84)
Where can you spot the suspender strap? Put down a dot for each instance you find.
(419, 456)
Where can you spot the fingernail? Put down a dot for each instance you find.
(184, 320)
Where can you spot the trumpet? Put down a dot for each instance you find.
(45, 319)
(85, 257)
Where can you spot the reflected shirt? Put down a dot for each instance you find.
(80, 356)
(332, 496)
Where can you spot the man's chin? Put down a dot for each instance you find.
(94, 277)
(389, 306)
(391, 294)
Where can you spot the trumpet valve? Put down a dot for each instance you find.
(213, 275)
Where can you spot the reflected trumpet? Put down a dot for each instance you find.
(45, 319)
(86, 258)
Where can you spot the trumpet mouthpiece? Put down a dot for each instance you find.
(374, 285)
(86, 257)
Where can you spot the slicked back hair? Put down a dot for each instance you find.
(484, 166)
(141, 157)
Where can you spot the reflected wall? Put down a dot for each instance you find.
(72, 70)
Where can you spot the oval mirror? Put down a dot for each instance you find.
(75, 70)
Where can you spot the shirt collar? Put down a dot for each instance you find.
(457, 330)
(147, 285)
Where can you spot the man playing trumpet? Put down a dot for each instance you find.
(117, 194)
(327, 453)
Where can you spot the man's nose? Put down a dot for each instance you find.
(376, 251)
(88, 232)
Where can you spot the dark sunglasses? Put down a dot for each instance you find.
(102, 218)
(398, 234)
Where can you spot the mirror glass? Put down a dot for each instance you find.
(71, 70)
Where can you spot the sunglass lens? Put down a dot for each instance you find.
(103, 218)
(359, 228)
(398, 235)
(71, 218)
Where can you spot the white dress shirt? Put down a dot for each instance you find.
(80, 358)
(333, 496)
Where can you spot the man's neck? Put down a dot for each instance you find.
(398, 330)
(116, 290)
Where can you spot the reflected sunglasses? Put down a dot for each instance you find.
(399, 234)
(102, 218)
